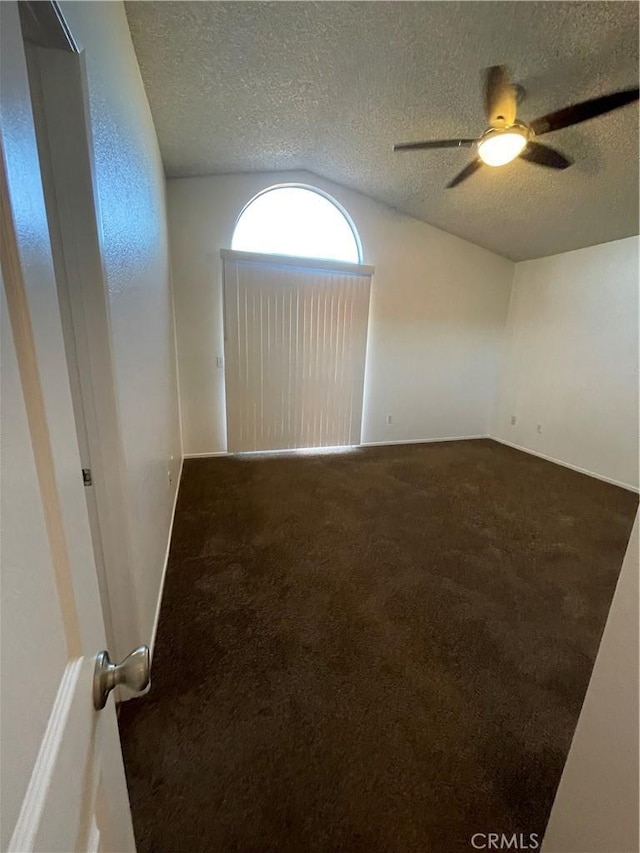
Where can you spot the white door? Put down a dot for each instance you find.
(63, 784)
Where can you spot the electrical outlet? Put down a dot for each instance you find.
(219, 362)
(389, 419)
(539, 428)
(513, 420)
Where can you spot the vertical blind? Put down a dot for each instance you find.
(295, 346)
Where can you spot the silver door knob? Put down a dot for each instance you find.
(133, 672)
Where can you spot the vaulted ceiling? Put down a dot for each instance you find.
(329, 87)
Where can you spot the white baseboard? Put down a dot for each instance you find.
(400, 442)
(423, 440)
(363, 444)
(205, 455)
(152, 641)
(577, 468)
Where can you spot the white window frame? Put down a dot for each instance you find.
(312, 189)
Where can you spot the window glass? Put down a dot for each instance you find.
(296, 221)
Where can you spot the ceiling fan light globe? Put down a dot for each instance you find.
(498, 147)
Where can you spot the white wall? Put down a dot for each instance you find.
(596, 805)
(438, 308)
(130, 188)
(571, 360)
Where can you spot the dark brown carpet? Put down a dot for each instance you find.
(385, 650)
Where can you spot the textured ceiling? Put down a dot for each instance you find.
(329, 87)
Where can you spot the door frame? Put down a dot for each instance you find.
(56, 64)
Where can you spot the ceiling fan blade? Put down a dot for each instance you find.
(583, 111)
(500, 96)
(436, 143)
(543, 155)
(468, 170)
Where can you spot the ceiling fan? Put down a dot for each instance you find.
(507, 138)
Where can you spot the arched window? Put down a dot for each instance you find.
(297, 220)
